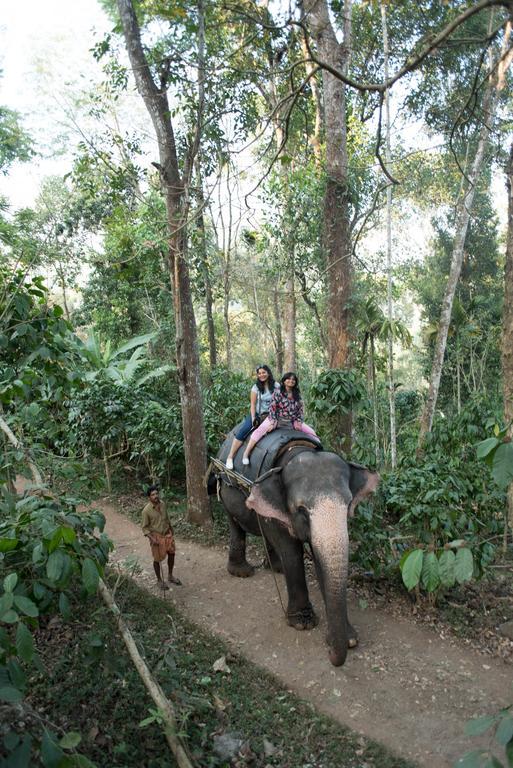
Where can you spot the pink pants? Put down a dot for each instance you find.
(266, 426)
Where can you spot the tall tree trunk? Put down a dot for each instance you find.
(227, 236)
(390, 313)
(289, 346)
(280, 357)
(314, 139)
(205, 271)
(336, 223)
(336, 218)
(463, 211)
(507, 327)
(372, 366)
(496, 80)
(176, 198)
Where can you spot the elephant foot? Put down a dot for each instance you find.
(352, 637)
(305, 619)
(242, 570)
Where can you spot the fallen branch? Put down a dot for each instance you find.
(153, 688)
(16, 443)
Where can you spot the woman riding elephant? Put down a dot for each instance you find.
(286, 410)
(260, 400)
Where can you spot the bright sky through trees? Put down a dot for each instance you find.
(42, 44)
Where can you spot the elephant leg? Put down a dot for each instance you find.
(237, 563)
(300, 612)
(272, 560)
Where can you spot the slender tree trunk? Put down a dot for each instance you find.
(496, 81)
(209, 302)
(314, 139)
(64, 296)
(289, 346)
(280, 356)
(175, 193)
(289, 303)
(507, 329)
(16, 443)
(160, 699)
(372, 363)
(463, 211)
(390, 312)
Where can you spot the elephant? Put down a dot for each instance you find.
(306, 497)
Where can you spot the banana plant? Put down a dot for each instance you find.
(112, 363)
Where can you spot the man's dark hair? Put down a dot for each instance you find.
(152, 488)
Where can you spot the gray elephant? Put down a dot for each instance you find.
(306, 497)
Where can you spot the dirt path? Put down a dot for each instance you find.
(404, 686)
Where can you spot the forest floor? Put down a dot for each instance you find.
(408, 685)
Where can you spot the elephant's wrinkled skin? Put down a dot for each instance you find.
(308, 500)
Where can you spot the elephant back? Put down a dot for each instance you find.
(266, 452)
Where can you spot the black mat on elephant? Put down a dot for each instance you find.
(266, 452)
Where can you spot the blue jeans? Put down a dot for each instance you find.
(245, 428)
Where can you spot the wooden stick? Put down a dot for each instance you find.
(16, 443)
(153, 688)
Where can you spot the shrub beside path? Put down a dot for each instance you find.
(404, 685)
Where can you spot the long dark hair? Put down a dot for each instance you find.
(269, 382)
(296, 392)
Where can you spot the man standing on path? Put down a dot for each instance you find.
(157, 527)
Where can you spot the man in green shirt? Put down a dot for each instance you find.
(157, 527)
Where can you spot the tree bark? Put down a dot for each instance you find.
(289, 346)
(463, 211)
(390, 312)
(314, 139)
(278, 344)
(209, 301)
(507, 326)
(36, 474)
(336, 221)
(176, 198)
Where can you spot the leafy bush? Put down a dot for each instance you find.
(46, 548)
(154, 434)
(335, 394)
(225, 402)
(502, 724)
(437, 517)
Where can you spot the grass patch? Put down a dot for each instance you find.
(91, 688)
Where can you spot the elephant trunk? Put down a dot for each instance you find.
(330, 544)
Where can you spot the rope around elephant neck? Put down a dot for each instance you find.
(271, 565)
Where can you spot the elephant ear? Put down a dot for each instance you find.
(267, 498)
(362, 482)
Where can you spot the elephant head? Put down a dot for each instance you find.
(311, 497)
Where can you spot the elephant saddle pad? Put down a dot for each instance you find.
(267, 451)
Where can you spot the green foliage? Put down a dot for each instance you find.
(502, 725)
(497, 451)
(154, 433)
(336, 392)
(47, 550)
(226, 402)
(439, 511)
(433, 570)
(15, 143)
(37, 361)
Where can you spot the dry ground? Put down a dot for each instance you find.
(406, 685)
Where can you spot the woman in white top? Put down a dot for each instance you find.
(260, 400)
